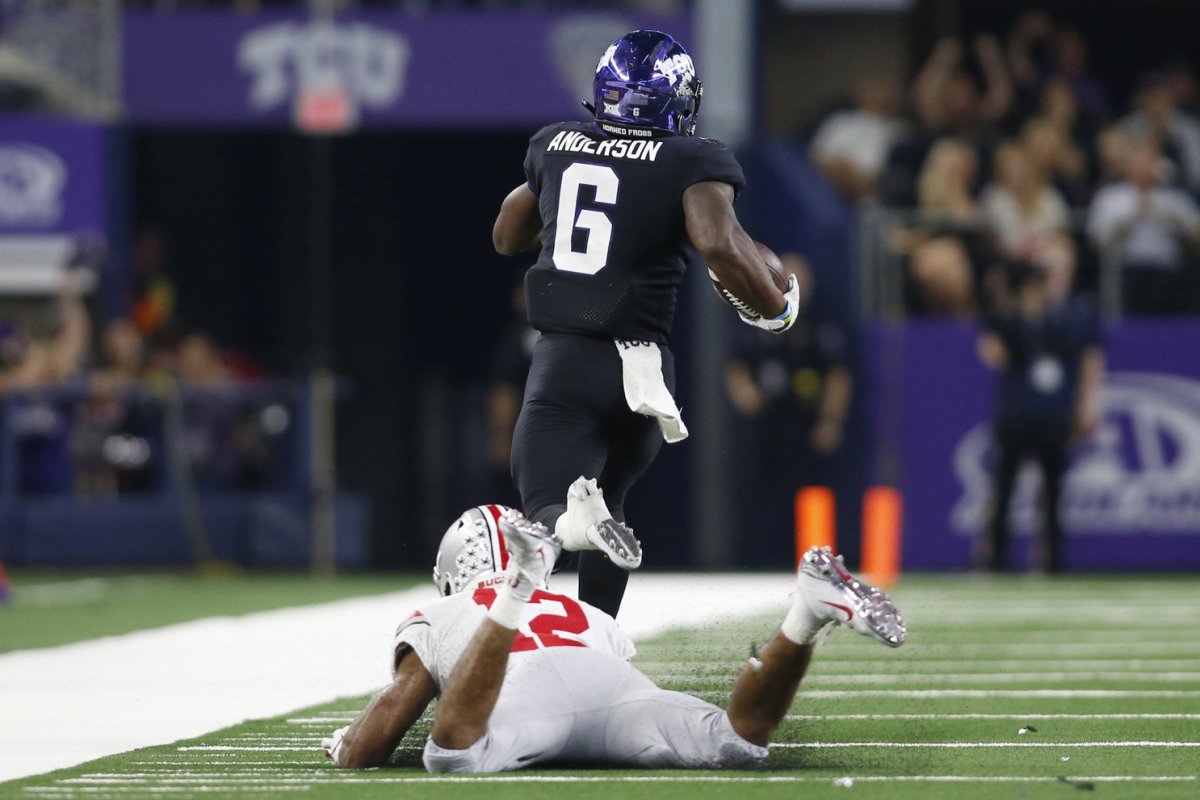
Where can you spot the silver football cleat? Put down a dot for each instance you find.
(832, 593)
(530, 545)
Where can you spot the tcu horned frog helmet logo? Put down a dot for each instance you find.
(647, 80)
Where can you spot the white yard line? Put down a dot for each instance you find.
(831, 667)
(308, 748)
(975, 745)
(1035, 715)
(65, 705)
(977, 694)
(337, 778)
(818, 679)
(847, 649)
(989, 693)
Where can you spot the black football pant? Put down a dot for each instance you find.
(575, 421)
(1043, 439)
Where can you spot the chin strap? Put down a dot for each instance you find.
(591, 108)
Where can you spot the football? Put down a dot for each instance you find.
(774, 266)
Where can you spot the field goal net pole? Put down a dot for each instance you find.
(322, 387)
(882, 518)
(324, 109)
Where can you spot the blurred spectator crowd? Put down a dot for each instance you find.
(135, 404)
(1012, 152)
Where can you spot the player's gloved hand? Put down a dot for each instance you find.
(333, 743)
(785, 320)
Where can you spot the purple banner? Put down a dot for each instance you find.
(53, 201)
(1132, 497)
(52, 176)
(384, 68)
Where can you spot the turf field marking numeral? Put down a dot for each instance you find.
(599, 227)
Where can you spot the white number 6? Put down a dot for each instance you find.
(596, 223)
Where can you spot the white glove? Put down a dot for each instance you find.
(785, 320)
(333, 743)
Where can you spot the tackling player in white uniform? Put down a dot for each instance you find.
(527, 676)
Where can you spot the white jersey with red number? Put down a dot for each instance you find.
(440, 630)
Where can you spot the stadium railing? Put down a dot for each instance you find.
(159, 472)
(882, 266)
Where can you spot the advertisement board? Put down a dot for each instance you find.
(52, 198)
(1131, 498)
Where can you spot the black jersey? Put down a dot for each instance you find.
(614, 245)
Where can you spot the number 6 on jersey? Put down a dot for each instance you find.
(599, 227)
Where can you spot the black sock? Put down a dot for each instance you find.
(601, 583)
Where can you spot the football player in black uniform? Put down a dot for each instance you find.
(616, 205)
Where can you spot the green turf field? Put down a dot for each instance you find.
(1007, 688)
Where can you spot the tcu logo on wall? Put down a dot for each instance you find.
(1139, 473)
(323, 69)
(32, 180)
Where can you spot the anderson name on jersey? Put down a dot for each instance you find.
(440, 631)
(614, 243)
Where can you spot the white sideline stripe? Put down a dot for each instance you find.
(972, 745)
(65, 705)
(879, 717)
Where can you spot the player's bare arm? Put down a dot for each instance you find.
(713, 227)
(763, 693)
(473, 688)
(376, 732)
(519, 223)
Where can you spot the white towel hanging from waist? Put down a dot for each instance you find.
(645, 390)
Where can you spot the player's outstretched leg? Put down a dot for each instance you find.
(826, 593)
(588, 525)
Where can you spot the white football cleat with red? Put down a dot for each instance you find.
(831, 594)
(532, 552)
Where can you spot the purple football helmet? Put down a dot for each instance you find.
(647, 80)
